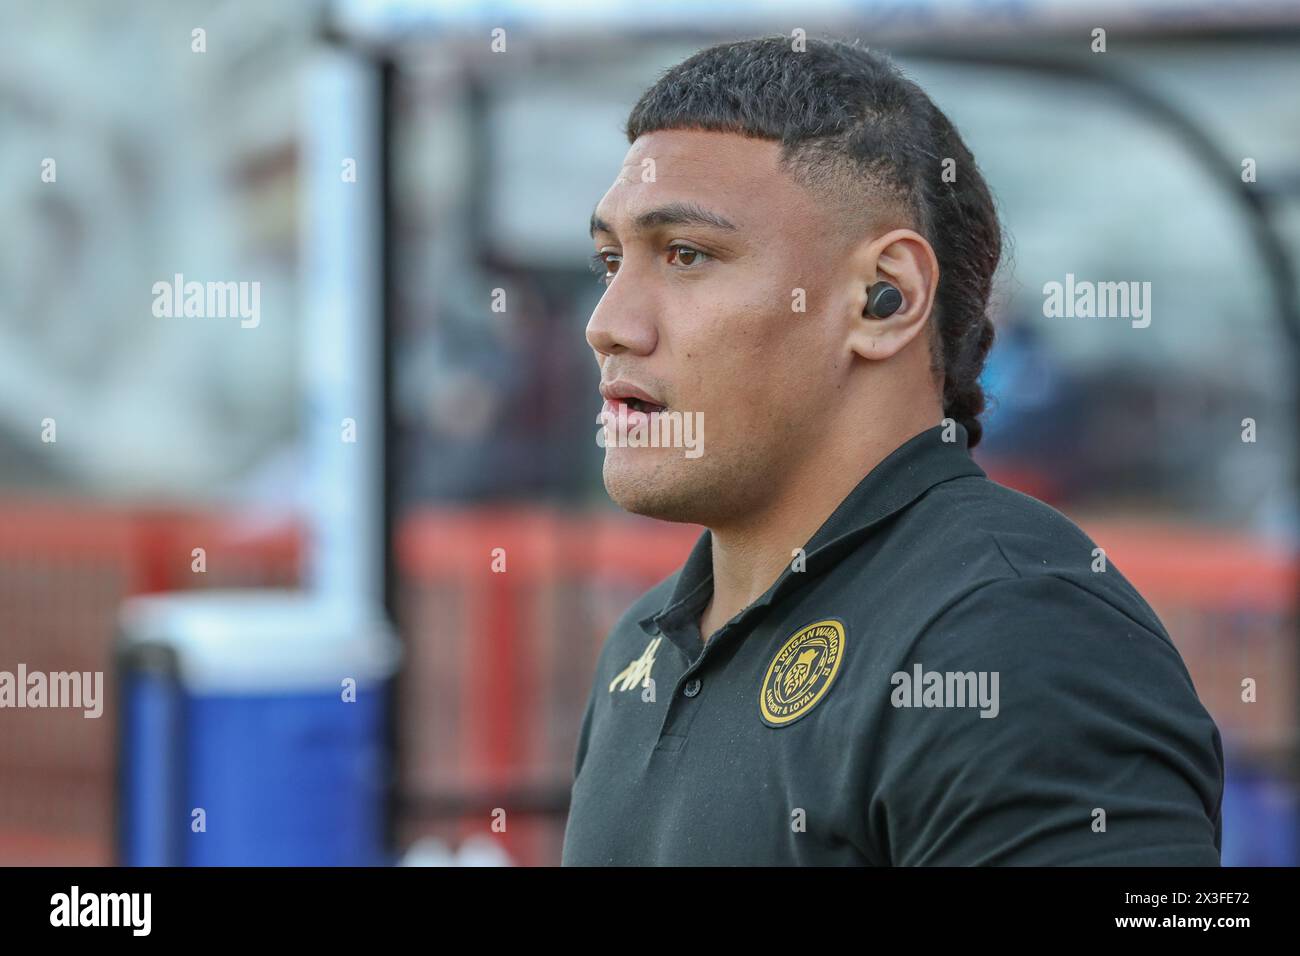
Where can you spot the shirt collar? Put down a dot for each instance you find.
(906, 473)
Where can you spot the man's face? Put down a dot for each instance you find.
(735, 321)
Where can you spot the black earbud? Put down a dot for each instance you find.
(883, 300)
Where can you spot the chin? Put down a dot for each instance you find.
(654, 486)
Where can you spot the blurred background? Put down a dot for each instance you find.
(241, 524)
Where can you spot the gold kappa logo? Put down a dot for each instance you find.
(801, 673)
(638, 672)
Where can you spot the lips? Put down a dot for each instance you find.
(639, 405)
(634, 397)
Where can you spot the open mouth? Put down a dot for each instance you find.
(640, 405)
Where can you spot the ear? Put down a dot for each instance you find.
(904, 258)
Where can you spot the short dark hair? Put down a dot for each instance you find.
(847, 120)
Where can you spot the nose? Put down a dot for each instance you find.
(623, 320)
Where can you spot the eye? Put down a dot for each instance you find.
(687, 256)
(603, 267)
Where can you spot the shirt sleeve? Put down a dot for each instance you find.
(1095, 751)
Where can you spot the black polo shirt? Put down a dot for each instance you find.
(955, 675)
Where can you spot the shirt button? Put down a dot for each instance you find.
(692, 687)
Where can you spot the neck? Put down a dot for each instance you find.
(749, 555)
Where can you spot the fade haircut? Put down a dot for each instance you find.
(871, 144)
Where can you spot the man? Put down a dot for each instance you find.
(874, 655)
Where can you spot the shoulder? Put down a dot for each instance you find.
(1087, 706)
(1081, 709)
(1066, 641)
(999, 545)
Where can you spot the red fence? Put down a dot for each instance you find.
(499, 664)
(64, 569)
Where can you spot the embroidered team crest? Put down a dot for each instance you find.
(638, 672)
(801, 673)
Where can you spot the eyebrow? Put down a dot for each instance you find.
(670, 214)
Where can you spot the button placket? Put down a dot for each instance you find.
(680, 714)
